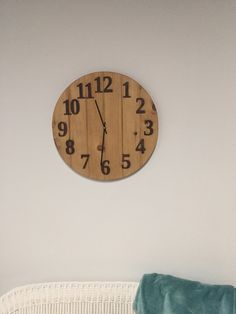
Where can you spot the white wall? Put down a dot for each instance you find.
(177, 215)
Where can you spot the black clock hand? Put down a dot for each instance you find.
(100, 115)
(103, 142)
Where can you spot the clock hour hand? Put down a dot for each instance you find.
(100, 115)
(103, 142)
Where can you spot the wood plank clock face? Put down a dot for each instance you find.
(105, 126)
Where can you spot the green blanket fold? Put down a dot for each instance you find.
(164, 294)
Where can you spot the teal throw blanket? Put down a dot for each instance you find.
(164, 294)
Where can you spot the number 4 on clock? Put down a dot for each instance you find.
(140, 147)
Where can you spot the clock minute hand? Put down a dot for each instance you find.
(100, 115)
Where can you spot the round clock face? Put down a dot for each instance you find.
(105, 126)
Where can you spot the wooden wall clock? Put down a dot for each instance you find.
(105, 126)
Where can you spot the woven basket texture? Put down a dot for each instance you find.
(70, 298)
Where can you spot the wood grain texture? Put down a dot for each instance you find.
(131, 125)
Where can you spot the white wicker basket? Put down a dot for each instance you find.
(70, 298)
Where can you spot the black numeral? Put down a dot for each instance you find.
(105, 167)
(86, 156)
(125, 161)
(107, 88)
(81, 90)
(98, 81)
(70, 147)
(87, 89)
(71, 107)
(126, 93)
(62, 127)
(141, 103)
(140, 147)
(149, 125)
